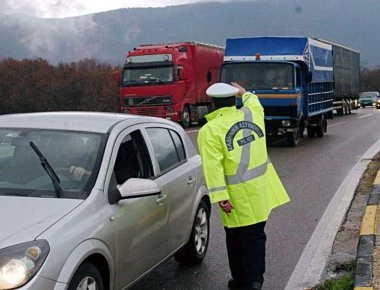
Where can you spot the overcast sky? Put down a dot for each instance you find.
(68, 8)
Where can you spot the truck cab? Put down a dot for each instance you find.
(170, 80)
(292, 78)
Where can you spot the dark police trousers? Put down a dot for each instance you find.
(246, 253)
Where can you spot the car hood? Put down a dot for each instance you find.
(23, 219)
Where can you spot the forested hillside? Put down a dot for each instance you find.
(34, 85)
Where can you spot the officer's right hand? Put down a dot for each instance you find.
(241, 91)
(226, 206)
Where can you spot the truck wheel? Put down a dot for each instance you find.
(321, 129)
(310, 132)
(86, 277)
(186, 117)
(196, 248)
(293, 138)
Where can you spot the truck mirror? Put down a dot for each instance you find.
(209, 77)
(182, 74)
(308, 77)
(116, 76)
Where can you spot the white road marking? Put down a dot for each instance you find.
(365, 116)
(336, 124)
(192, 131)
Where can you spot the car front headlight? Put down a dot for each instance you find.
(19, 263)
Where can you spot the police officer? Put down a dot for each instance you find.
(240, 178)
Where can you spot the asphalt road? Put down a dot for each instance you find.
(312, 173)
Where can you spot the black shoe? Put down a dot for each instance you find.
(234, 285)
(256, 286)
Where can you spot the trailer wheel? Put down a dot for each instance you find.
(350, 106)
(340, 110)
(186, 117)
(345, 107)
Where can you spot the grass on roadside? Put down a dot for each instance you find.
(343, 282)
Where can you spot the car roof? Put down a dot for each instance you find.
(371, 93)
(77, 121)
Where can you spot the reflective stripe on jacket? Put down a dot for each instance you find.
(236, 165)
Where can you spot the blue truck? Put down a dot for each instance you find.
(300, 81)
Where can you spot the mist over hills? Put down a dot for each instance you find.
(109, 35)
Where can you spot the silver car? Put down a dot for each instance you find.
(96, 200)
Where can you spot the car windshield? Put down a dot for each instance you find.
(43, 163)
(369, 95)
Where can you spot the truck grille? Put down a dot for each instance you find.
(153, 112)
(147, 101)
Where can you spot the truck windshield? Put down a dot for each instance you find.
(152, 75)
(259, 75)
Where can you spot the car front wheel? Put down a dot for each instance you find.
(196, 248)
(86, 278)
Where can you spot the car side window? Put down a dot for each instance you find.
(178, 145)
(168, 147)
(133, 160)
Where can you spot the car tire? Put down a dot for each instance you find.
(196, 248)
(86, 277)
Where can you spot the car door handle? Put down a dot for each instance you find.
(191, 180)
(161, 199)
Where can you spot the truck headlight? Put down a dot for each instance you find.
(285, 123)
(19, 263)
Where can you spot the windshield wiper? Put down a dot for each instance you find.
(49, 170)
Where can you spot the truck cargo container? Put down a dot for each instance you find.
(346, 68)
(297, 80)
(170, 80)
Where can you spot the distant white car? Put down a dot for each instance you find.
(368, 99)
(96, 200)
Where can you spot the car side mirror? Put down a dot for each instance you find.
(134, 188)
(209, 77)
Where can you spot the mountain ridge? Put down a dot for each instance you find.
(107, 36)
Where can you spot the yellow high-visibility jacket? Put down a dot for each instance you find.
(236, 165)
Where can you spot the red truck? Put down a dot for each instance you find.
(170, 80)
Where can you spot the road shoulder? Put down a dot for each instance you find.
(335, 238)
